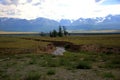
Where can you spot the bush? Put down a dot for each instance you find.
(33, 76)
(32, 62)
(67, 46)
(52, 63)
(51, 72)
(113, 63)
(108, 75)
(83, 65)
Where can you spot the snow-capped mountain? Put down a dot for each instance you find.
(110, 22)
(65, 22)
(98, 23)
(36, 25)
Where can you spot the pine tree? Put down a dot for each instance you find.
(51, 35)
(64, 30)
(42, 34)
(54, 33)
(60, 33)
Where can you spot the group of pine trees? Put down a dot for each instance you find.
(60, 33)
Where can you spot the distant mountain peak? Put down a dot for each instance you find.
(110, 22)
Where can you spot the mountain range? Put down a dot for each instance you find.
(110, 22)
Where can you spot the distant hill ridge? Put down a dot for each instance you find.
(110, 22)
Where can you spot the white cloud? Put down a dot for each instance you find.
(9, 2)
(57, 9)
(105, 10)
(99, 1)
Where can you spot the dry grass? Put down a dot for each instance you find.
(104, 40)
(70, 66)
(17, 42)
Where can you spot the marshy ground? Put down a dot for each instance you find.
(28, 58)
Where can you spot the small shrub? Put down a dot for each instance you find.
(51, 72)
(33, 61)
(67, 46)
(111, 66)
(113, 63)
(83, 65)
(33, 76)
(52, 64)
(64, 62)
(49, 61)
(108, 75)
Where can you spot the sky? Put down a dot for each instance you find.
(58, 9)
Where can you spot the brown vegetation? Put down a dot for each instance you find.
(84, 47)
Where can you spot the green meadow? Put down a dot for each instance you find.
(24, 58)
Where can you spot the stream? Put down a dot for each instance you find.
(59, 51)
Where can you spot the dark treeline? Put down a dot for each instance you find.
(62, 31)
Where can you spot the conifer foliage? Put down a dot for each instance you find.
(60, 33)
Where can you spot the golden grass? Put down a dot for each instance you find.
(17, 42)
(103, 40)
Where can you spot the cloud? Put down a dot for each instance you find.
(36, 4)
(9, 11)
(9, 2)
(29, 1)
(97, 0)
(100, 1)
(57, 9)
(15, 2)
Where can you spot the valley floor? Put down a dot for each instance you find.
(30, 58)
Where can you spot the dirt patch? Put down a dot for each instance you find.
(110, 50)
(48, 49)
(84, 47)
